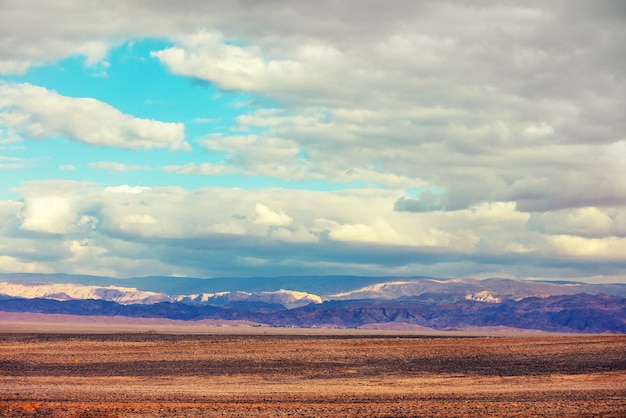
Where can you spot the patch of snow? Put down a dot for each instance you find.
(444, 281)
(373, 288)
(287, 298)
(483, 296)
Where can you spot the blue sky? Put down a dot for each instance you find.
(136, 84)
(245, 139)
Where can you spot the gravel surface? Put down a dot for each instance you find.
(220, 375)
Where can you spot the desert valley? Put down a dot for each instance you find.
(344, 373)
(332, 346)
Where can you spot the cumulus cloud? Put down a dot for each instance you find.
(471, 97)
(587, 222)
(254, 155)
(508, 117)
(207, 56)
(35, 112)
(473, 130)
(12, 264)
(53, 207)
(594, 248)
(51, 214)
(357, 232)
(266, 216)
(125, 229)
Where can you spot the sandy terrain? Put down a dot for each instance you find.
(23, 322)
(130, 374)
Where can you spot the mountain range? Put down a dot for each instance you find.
(330, 301)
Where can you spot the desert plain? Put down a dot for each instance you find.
(252, 371)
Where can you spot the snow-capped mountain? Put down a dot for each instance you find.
(62, 291)
(428, 289)
(487, 290)
(288, 298)
(127, 295)
(392, 302)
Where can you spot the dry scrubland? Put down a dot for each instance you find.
(129, 374)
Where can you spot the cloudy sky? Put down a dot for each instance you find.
(262, 138)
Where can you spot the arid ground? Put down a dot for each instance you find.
(153, 374)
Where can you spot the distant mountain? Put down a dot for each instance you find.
(61, 291)
(287, 298)
(319, 285)
(487, 290)
(127, 296)
(384, 302)
(335, 287)
(566, 313)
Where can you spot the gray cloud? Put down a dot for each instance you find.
(427, 202)
(512, 112)
(128, 231)
(589, 222)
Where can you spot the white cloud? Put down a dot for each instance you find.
(539, 130)
(269, 217)
(35, 112)
(611, 248)
(508, 118)
(18, 54)
(254, 155)
(587, 222)
(11, 265)
(115, 166)
(407, 93)
(468, 109)
(203, 169)
(207, 55)
(359, 232)
(81, 249)
(139, 219)
(116, 231)
(49, 214)
(124, 188)
(206, 120)
(13, 162)
(139, 224)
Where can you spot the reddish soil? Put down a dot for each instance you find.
(133, 375)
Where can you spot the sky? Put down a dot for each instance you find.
(269, 138)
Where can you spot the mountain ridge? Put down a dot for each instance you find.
(323, 286)
(398, 302)
(579, 313)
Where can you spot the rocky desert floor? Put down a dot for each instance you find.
(149, 374)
